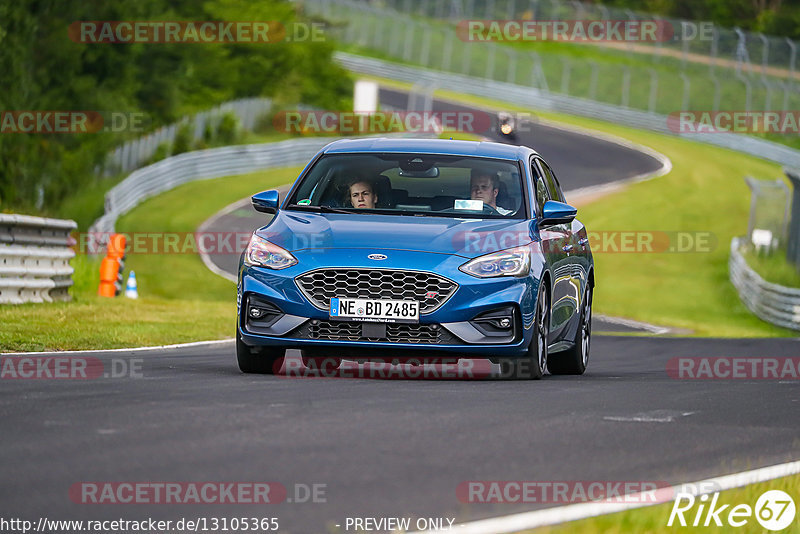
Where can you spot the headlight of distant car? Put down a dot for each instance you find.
(262, 253)
(511, 262)
(506, 128)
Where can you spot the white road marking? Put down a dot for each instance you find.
(134, 349)
(658, 416)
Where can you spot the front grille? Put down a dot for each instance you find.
(323, 284)
(429, 334)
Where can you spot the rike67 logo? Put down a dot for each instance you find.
(774, 510)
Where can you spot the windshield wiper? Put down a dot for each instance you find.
(321, 209)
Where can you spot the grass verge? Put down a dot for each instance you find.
(654, 518)
(180, 299)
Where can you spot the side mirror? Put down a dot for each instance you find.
(266, 201)
(555, 212)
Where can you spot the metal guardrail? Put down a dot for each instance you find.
(137, 152)
(771, 302)
(213, 163)
(34, 259)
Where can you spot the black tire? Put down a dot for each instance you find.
(574, 361)
(258, 360)
(532, 366)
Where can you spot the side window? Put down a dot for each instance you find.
(552, 182)
(542, 195)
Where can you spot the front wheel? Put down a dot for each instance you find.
(574, 361)
(533, 365)
(258, 360)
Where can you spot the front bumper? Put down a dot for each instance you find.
(452, 328)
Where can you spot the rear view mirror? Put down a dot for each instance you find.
(555, 212)
(418, 167)
(266, 201)
(433, 172)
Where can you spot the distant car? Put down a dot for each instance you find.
(507, 126)
(426, 248)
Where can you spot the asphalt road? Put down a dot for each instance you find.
(384, 447)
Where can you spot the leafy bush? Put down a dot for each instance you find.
(228, 130)
(183, 139)
(43, 69)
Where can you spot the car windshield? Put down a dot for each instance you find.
(412, 184)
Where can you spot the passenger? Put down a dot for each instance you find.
(485, 185)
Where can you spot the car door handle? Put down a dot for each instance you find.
(583, 241)
(567, 248)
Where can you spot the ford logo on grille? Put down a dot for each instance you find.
(377, 257)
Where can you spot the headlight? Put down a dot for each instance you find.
(506, 128)
(512, 262)
(262, 253)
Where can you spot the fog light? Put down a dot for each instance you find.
(257, 313)
(505, 323)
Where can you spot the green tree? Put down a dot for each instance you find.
(43, 69)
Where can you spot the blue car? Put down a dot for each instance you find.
(428, 249)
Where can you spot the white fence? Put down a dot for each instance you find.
(771, 302)
(34, 259)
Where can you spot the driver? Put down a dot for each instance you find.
(485, 185)
(361, 194)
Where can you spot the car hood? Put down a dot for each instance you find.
(296, 231)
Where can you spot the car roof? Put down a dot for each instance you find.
(486, 149)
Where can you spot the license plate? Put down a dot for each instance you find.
(385, 311)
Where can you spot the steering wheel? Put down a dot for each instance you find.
(489, 210)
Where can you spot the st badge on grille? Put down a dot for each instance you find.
(377, 257)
